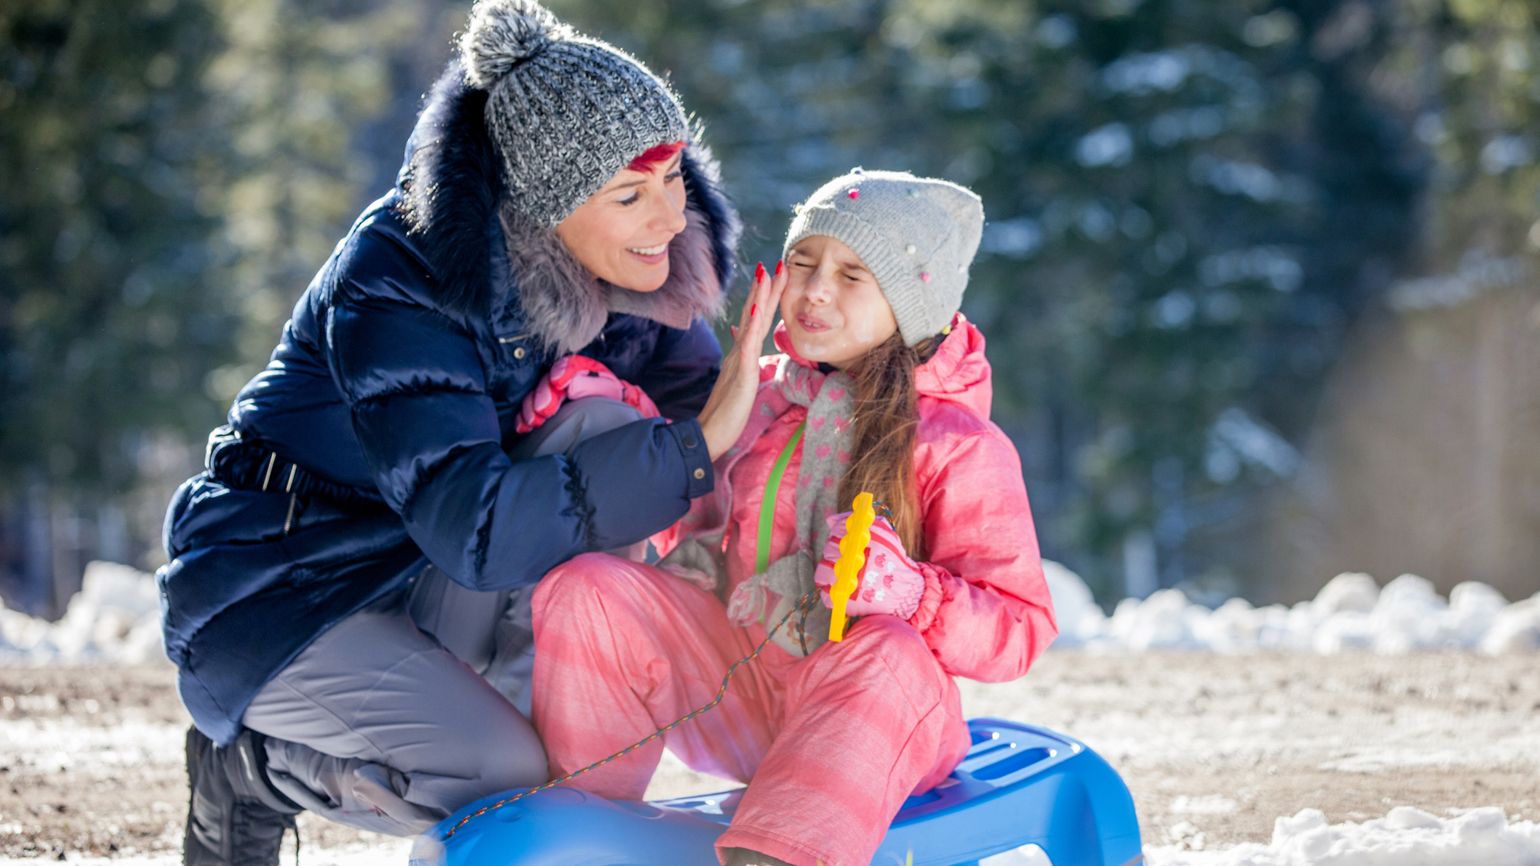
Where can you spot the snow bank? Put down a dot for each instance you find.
(114, 617)
(1350, 612)
(1404, 837)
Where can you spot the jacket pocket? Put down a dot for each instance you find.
(516, 367)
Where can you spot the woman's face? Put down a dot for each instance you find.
(833, 309)
(621, 233)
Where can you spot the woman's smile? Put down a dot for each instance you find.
(650, 255)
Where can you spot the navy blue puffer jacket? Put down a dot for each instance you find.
(376, 439)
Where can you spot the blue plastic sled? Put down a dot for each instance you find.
(1019, 785)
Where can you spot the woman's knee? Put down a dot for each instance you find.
(495, 752)
(517, 762)
(576, 421)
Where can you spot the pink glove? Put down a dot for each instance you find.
(891, 582)
(574, 377)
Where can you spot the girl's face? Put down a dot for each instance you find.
(833, 309)
(621, 233)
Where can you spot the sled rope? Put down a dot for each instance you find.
(803, 605)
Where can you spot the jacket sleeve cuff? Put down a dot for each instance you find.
(700, 478)
(930, 598)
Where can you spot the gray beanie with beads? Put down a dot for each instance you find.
(917, 235)
(565, 111)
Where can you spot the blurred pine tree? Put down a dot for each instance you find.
(1189, 202)
(1192, 203)
(108, 236)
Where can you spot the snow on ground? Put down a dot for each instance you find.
(114, 621)
(1214, 746)
(1404, 837)
(115, 617)
(351, 855)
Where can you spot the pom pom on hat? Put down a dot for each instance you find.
(565, 111)
(501, 34)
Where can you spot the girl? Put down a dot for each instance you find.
(882, 387)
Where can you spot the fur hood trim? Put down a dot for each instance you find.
(453, 200)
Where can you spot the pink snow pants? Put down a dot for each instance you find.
(833, 742)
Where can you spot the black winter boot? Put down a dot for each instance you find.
(234, 815)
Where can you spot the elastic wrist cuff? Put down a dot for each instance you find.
(700, 478)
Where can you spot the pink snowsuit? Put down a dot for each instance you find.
(834, 742)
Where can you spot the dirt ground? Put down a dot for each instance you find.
(1213, 747)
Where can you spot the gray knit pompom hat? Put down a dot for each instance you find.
(566, 111)
(917, 235)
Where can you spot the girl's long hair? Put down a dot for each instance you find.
(883, 434)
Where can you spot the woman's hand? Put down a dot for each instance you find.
(732, 398)
(891, 582)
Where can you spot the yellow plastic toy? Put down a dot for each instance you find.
(847, 571)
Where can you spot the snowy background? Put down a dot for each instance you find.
(1391, 698)
(1259, 281)
(115, 619)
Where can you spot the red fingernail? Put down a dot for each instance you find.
(753, 308)
(759, 272)
(778, 266)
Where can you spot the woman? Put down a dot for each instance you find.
(376, 503)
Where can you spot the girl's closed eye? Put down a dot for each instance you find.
(833, 310)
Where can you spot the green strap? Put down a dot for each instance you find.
(767, 507)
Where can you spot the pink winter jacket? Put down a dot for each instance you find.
(985, 612)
